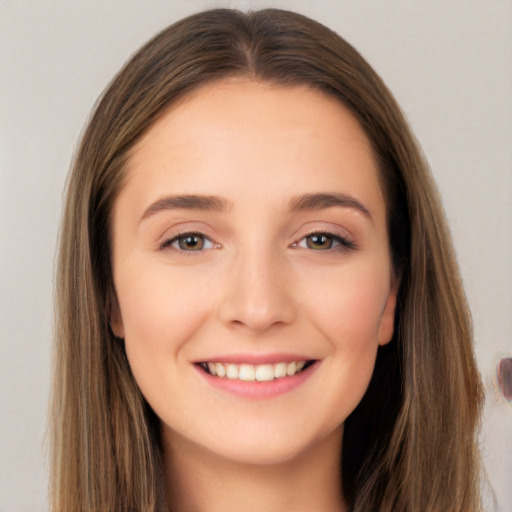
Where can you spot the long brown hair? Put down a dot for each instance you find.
(410, 444)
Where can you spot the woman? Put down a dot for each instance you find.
(259, 306)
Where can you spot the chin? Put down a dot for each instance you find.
(259, 445)
(271, 454)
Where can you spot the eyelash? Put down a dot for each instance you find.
(343, 242)
(186, 234)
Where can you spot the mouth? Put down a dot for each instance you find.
(255, 372)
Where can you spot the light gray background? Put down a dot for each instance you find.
(449, 63)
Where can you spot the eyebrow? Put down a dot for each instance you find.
(306, 202)
(187, 202)
(303, 202)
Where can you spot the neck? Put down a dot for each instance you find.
(200, 481)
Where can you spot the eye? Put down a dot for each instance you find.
(324, 242)
(190, 242)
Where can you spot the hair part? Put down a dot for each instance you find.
(410, 444)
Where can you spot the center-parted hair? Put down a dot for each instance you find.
(410, 444)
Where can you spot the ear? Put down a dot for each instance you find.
(387, 320)
(114, 314)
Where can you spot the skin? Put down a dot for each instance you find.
(258, 286)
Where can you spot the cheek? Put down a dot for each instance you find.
(350, 306)
(349, 313)
(160, 311)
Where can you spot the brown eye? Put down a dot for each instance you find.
(319, 242)
(188, 242)
(191, 242)
(325, 242)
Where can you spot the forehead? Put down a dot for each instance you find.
(253, 107)
(247, 134)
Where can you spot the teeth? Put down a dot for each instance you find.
(247, 372)
(250, 372)
(232, 371)
(220, 370)
(265, 372)
(280, 370)
(291, 368)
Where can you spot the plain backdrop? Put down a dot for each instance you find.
(449, 63)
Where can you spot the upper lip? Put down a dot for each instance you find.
(255, 359)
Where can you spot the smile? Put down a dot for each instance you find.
(251, 372)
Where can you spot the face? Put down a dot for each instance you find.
(252, 270)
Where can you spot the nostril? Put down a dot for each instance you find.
(504, 374)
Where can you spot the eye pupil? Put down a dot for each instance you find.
(319, 241)
(191, 242)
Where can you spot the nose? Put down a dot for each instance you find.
(257, 295)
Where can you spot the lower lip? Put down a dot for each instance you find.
(258, 390)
